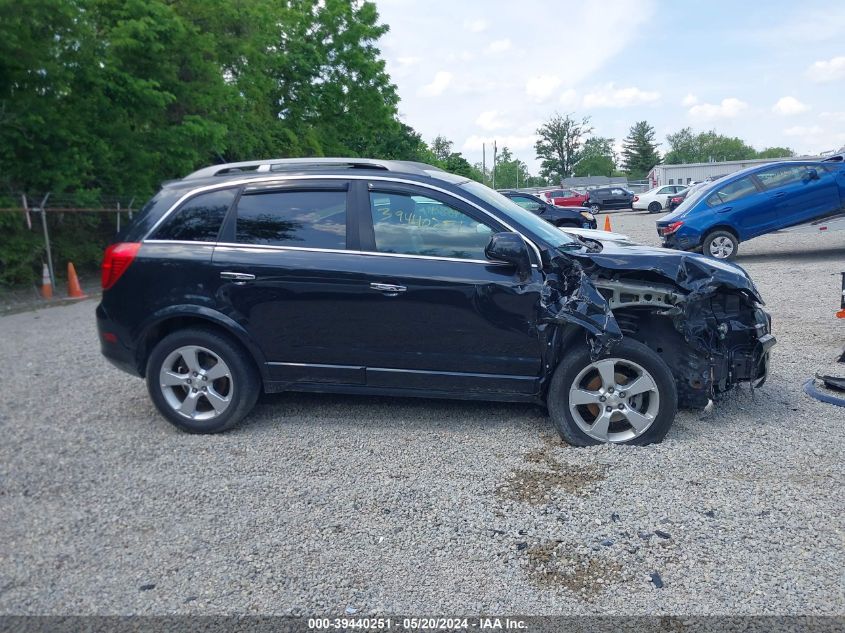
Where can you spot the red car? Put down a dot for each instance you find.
(564, 197)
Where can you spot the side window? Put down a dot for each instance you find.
(526, 203)
(732, 191)
(781, 176)
(198, 219)
(666, 190)
(308, 219)
(417, 225)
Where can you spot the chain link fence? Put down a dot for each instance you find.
(38, 229)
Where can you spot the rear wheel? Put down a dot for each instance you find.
(201, 381)
(625, 397)
(720, 245)
(654, 207)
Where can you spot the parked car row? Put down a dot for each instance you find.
(598, 199)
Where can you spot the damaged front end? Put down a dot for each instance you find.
(703, 317)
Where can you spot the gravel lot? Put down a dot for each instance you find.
(398, 505)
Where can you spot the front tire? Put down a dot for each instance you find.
(720, 245)
(202, 381)
(654, 207)
(627, 396)
(595, 208)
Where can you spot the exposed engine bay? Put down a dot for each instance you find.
(703, 317)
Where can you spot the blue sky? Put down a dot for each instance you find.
(770, 72)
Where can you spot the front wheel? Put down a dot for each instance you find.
(202, 381)
(625, 397)
(595, 208)
(720, 245)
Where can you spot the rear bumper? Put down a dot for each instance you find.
(113, 344)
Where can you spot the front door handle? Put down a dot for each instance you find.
(389, 290)
(780, 194)
(238, 278)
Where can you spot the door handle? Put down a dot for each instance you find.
(238, 278)
(724, 210)
(780, 194)
(389, 290)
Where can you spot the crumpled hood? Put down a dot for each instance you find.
(695, 273)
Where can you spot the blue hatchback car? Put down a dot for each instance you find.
(753, 202)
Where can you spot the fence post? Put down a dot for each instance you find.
(129, 208)
(118, 217)
(26, 212)
(47, 239)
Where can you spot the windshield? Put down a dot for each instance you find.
(539, 227)
(693, 196)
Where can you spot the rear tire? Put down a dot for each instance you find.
(578, 385)
(202, 381)
(720, 245)
(654, 207)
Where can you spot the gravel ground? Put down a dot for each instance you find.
(320, 503)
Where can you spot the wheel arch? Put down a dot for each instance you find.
(728, 228)
(176, 318)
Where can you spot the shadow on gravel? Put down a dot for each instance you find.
(381, 411)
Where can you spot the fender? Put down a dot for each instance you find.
(194, 311)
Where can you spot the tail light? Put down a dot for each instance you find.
(116, 260)
(672, 228)
(636, 198)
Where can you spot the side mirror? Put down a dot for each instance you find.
(510, 248)
(811, 174)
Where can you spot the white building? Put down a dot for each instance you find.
(696, 172)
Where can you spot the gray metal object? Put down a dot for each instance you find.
(622, 294)
(614, 400)
(196, 383)
(277, 165)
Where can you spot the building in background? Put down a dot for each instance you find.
(688, 173)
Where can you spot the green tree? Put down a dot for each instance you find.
(776, 152)
(442, 148)
(685, 146)
(559, 145)
(597, 158)
(639, 151)
(510, 171)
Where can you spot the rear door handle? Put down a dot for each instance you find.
(724, 210)
(237, 277)
(779, 194)
(389, 290)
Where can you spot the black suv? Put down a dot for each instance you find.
(383, 277)
(609, 198)
(561, 217)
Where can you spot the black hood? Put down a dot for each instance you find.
(692, 272)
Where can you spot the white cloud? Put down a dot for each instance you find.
(512, 142)
(830, 70)
(608, 96)
(833, 116)
(476, 26)
(803, 130)
(727, 109)
(440, 82)
(786, 106)
(689, 100)
(541, 87)
(569, 98)
(499, 46)
(491, 120)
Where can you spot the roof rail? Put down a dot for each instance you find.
(272, 165)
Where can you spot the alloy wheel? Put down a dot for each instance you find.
(614, 400)
(196, 383)
(721, 247)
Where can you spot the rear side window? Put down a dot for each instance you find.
(417, 225)
(732, 191)
(308, 219)
(198, 219)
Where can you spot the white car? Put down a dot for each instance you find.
(657, 199)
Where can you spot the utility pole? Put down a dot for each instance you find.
(494, 164)
(484, 162)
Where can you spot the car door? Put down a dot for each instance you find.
(796, 196)
(741, 204)
(285, 267)
(439, 315)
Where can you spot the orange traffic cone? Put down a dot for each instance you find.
(46, 284)
(607, 223)
(73, 289)
(840, 314)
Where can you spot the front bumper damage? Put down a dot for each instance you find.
(710, 328)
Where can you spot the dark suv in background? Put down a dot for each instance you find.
(609, 198)
(561, 217)
(382, 277)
